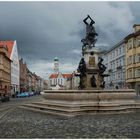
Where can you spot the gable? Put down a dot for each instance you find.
(14, 54)
(9, 45)
(53, 76)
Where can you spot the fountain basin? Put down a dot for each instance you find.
(80, 102)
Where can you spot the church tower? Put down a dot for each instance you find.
(56, 65)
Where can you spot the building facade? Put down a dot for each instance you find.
(60, 81)
(23, 76)
(5, 70)
(132, 45)
(15, 77)
(114, 60)
(75, 80)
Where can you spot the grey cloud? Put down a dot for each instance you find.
(44, 30)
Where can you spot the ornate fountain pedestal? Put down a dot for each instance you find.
(91, 98)
(91, 57)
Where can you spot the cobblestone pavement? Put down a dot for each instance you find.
(20, 123)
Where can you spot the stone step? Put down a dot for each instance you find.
(67, 105)
(62, 109)
(84, 104)
(67, 110)
(47, 111)
(76, 113)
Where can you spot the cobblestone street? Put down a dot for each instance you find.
(20, 123)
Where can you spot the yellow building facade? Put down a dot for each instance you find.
(132, 45)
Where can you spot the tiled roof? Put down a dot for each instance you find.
(64, 75)
(53, 75)
(67, 75)
(9, 45)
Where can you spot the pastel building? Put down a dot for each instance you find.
(5, 70)
(132, 45)
(13, 55)
(58, 80)
(114, 60)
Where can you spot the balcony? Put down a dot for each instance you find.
(119, 68)
(110, 70)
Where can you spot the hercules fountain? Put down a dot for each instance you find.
(91, 98)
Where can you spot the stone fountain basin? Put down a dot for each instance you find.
(80, 102)
(100, 95)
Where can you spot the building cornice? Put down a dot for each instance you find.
(132, 35)
(115, 46)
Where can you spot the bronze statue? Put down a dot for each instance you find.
(82, 70)
(82, 67)
(93, 81)
(101, 66)
(90, 39)
(102, 69)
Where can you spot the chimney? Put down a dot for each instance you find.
(136, 27)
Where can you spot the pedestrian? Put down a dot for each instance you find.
(117, 87)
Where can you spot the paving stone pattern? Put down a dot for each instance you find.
(21, 123)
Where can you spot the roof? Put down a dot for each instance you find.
(9, 45)
(53, 75)
(67, 75)
(64, 75)
(132, 35)
(136, 25)
(115, 46)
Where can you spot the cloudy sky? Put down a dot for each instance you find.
(44, 30)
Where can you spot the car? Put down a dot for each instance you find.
(23, 94)
(31, 93)
(4, 98)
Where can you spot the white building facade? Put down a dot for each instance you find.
(15, 83)
(75, 80)
(60, 81)
(114, 60)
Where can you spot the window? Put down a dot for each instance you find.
(116, 52)
(113, 65)
(134, 59)
(123, 60)
(139, 58)
(117, 63)
(137, 72)
(114, 76)
(120, 63)
(129, 60)
(138, 42)
(120, 50)
(129, 72)
(119, 76)
(54, 81)
(129, 45)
